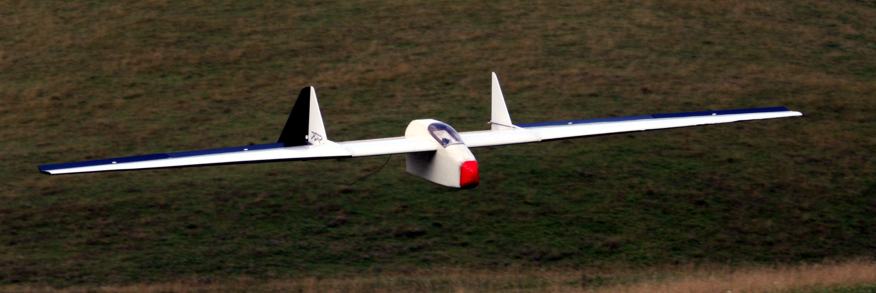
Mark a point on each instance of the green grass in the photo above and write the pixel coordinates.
(94, 79)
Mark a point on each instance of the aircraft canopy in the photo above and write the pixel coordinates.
(444, 134)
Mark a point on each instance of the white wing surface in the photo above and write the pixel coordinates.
(303, 138)
(388, 146)
(248, 154)
(535, 132)
(251, 154)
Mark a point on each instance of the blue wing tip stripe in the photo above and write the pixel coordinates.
(46, 168)
(655, 116)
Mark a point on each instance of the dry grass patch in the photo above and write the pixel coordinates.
(678, 279)
(758, 279)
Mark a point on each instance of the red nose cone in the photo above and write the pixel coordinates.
(468, 174)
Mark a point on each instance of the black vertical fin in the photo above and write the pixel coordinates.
(296, 130)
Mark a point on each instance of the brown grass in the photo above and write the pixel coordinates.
(759, 279)
(677, 279)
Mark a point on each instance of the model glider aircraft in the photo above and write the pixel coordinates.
(435, 151)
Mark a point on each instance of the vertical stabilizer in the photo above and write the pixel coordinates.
(317, 129)
(500, 119)
(304, 125)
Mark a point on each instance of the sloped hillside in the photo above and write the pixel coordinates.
(93, 79)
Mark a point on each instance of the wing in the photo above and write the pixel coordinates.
(247, 154)
(535, 132)
(303, 138)
(503, 132)
(230, 155)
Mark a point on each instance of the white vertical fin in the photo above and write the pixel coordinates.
(316, 134)
(500, 119)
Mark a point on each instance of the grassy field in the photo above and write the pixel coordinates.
(92, 79)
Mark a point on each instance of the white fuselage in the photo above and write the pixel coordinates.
(451, 164)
